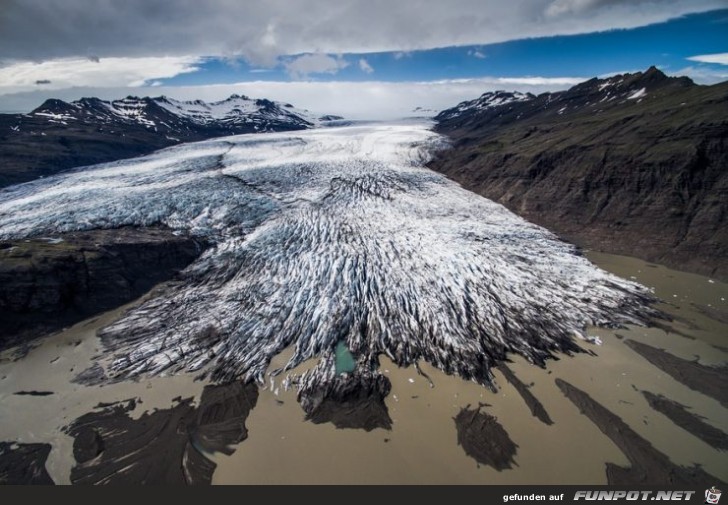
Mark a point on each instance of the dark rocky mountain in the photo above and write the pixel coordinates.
(481, 104)
(635, 164)
(60, 135)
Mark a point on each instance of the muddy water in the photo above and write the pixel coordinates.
(422, 446)
(50, 367)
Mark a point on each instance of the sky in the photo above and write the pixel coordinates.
(356, 58)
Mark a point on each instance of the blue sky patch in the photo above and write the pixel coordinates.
(666, 45)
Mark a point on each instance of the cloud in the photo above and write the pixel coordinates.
(703, 74)
(549, 82)
(301, 67)
(476, 54)
(39, 30)
(70, 72)
(709, 69)
(719, 58)
(356, 100)
(562, 7)
(581, 8)
(365, 66)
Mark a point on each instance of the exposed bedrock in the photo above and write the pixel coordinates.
(47, 283)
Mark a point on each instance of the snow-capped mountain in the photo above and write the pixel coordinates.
(485, 101)
(166, 115)
(502, 108)
(632, 164)
(59, 135)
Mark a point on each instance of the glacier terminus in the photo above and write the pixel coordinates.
(326, 238)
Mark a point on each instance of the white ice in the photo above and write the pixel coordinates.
(329, 235)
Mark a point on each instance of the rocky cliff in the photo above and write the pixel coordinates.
(48, 283)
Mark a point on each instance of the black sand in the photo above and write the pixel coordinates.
(710, 381)
(164, 447)
(648, 466)
(692, 423)
(484, 439)
(536, 407)
(22, 464)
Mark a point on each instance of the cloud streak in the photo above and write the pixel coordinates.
(302, 67)
(73, 72)
(365, 66)
(262, 31)
(719, 58)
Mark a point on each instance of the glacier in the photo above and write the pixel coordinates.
(329, 236)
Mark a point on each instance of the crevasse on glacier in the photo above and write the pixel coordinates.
(323, 236)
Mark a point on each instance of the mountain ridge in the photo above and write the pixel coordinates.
(59, 135)
(630, 164)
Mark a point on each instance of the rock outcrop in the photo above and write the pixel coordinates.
(48, 283)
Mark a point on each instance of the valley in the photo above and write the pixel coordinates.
(352, 297)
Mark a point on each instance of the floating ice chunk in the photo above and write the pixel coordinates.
(594, 340)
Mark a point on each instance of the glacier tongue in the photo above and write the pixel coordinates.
(324, 236)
